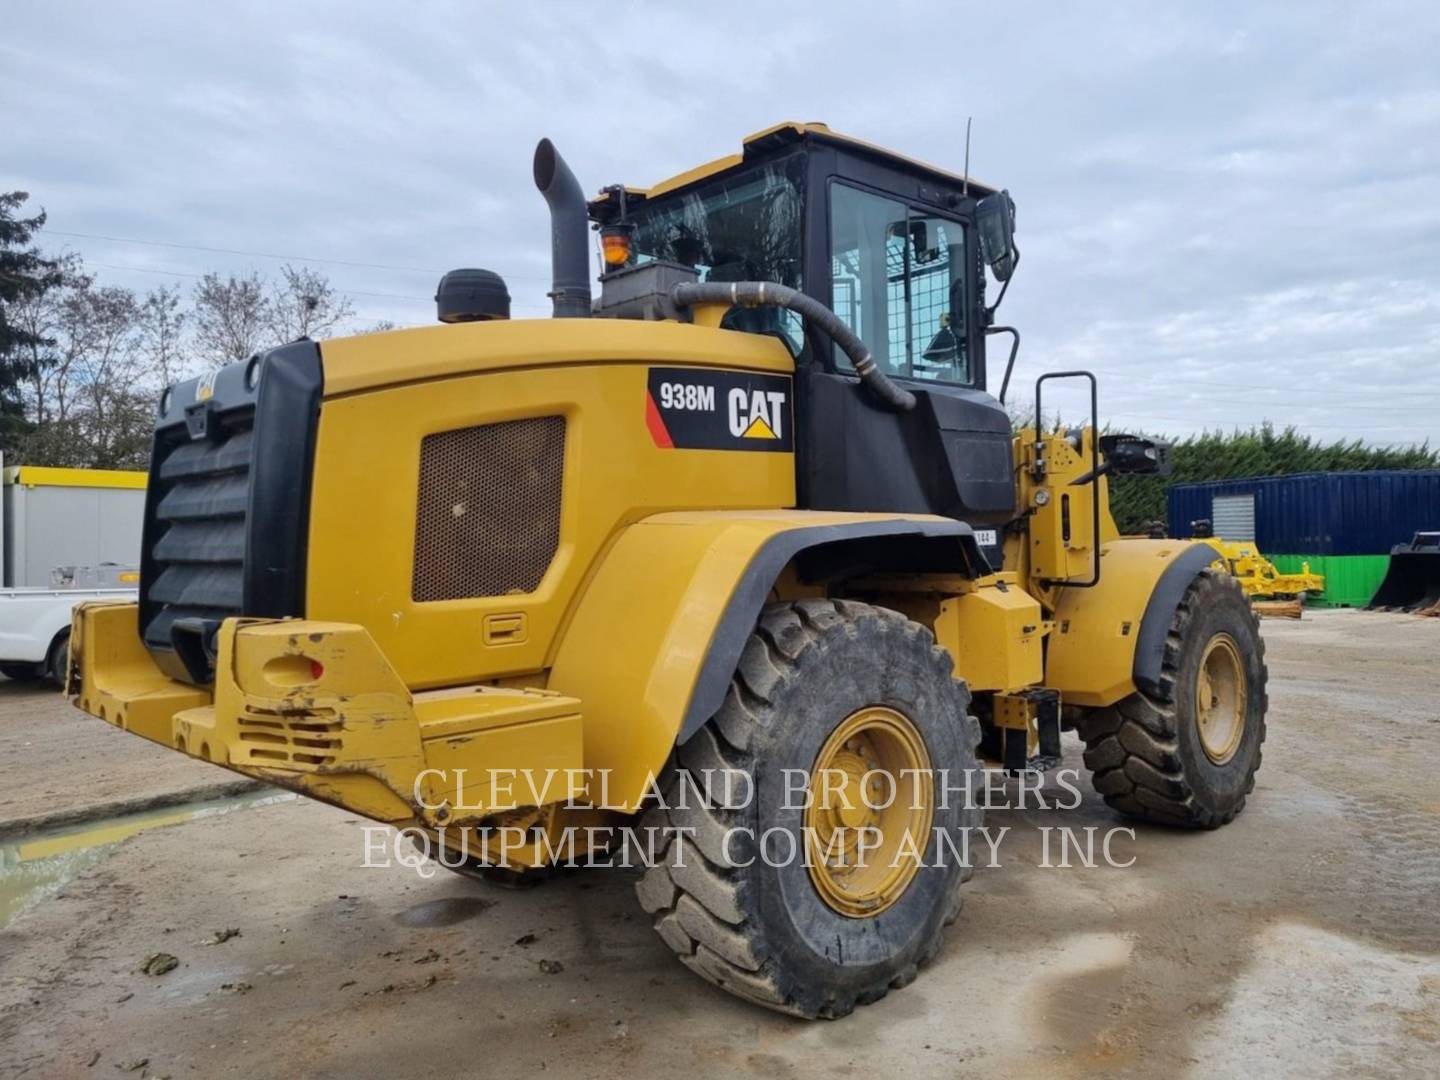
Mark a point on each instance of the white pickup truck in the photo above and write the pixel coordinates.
(35, 622)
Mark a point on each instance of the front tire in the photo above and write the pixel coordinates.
(1188, 756)
(741, 911)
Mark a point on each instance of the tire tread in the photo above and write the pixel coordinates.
(696, 900)
(1131, 747)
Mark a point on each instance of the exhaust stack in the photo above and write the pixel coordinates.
(569, 228)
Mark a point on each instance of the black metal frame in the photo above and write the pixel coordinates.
(828, 163)
(287, 421)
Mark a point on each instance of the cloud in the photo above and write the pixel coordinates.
(1232, 213)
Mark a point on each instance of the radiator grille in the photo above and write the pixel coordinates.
(488, 522)
(227, 508)
(199, 502)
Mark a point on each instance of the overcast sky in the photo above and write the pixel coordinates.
(1231, 214)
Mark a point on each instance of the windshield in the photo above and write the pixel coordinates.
(742, 228)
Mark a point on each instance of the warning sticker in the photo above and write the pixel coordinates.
(703, 409)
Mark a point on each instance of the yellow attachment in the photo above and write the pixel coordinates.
(315, 707)
(994, 633)
(1258, 576)
(871, 804)
(116, 678)
(1091, 655)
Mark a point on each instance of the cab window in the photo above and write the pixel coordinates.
(898, 279)
(739, 228)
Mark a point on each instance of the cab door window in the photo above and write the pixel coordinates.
(898, 281)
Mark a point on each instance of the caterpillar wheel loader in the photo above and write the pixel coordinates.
(748, 526)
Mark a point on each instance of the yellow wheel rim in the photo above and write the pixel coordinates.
(872, 799)
(1220, 698)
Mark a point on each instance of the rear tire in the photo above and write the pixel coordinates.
(1172, 758)
(765, 932)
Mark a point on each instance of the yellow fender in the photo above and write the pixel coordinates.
(1110, 639)
(658, 633)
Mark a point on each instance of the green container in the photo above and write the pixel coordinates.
(1350, 580)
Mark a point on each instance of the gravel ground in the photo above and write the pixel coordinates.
(1299, 941)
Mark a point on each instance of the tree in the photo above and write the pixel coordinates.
(82, 366)
(93, 405)
(114, 390)
(42, 318)
(232, 317)
(162, 325)
(25, 275)
(304, 304)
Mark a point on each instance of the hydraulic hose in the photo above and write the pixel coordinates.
(770, 294)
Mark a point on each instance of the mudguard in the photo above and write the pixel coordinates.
(1109, 640)
(657, 635)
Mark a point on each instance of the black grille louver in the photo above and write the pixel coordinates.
(197, 562)
(229, 481)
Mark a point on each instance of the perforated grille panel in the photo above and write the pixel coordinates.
(488, 522)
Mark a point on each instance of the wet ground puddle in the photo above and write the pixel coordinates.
(37, 865)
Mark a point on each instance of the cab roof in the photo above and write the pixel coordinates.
(781, 136)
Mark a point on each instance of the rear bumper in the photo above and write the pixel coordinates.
(316, 707)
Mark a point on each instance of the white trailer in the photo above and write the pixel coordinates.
(68, 535)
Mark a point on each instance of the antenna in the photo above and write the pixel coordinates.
(966, 187)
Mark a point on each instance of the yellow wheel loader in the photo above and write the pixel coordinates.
(740, 556)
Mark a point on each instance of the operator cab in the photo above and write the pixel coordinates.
(893, 247)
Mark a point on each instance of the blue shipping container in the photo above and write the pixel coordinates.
(1339, 513)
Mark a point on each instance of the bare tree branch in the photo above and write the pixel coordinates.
(232, 317)
(162, 326)
(304, 304)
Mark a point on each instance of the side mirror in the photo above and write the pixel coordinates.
(995, 218)
(1130, 454)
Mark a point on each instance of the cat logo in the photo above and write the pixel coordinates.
(757, 414)
(205, 390)
(716, 409)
